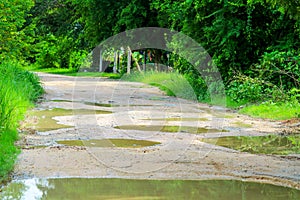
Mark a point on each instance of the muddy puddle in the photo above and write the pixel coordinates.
(241, 125)
(101, 104)
(270, 144)
(124, 143)
(95, 189)
(45, 121)
(176, 119)
(172, 129)
(87, 103)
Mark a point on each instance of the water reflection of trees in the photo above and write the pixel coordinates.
(270, 144)
(30, 189)
(76, 188)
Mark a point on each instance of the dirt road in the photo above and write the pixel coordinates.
(179, 154)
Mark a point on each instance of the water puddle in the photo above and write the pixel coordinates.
(242, 125)
(158, 98)
(108, 189)
(225, 116)
(46, 122)
(34, 147)
(86, 103)
(124, 143)
(177, 119)
(100, 104)
(172, 129)
(62, 100)
(270, 144)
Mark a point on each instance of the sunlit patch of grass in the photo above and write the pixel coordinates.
(275, 111)
(74, 72)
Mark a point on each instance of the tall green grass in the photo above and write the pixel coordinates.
(174, 84)
(18, 91)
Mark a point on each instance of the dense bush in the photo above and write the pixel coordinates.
(276, 77)
(281, 68)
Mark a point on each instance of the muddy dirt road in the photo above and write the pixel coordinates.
(140, 112)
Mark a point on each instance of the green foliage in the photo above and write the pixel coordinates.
(58, 41)
(281, 68)
(247, 89)
(253, 90)
(58, 52)
(12, 34)
(291, 7)
(18, 90)
(294, 95)
(275, 78)
(235, 33)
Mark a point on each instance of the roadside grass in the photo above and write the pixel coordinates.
(275, 111)
(50, 70)
(19, 89)
(73, 72)
(173, 84)
(225, 102)
(8, 152)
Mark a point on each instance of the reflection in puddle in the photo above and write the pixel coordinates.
(62, 100)
(86, 103)
(125, 143)
(270, 144)
(92, 189)
(101, 104)
(172, 129)
(47, 123)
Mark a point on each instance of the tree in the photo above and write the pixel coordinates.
(12, 30)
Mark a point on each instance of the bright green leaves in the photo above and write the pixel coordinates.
(133, 15)
(291, 7)
(13, 13)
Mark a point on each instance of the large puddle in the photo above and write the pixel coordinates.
(270, 144)
(172, 129)
(47, 123)
(108, 189)
(124, 143)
